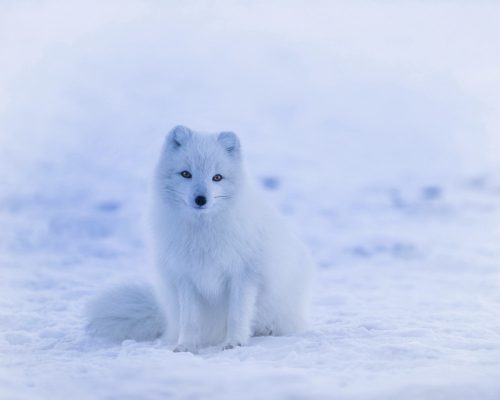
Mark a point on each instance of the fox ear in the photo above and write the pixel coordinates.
(230, 142)
(178, 136)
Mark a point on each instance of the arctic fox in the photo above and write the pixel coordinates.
(226, 266)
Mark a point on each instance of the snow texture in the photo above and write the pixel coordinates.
(372, 125)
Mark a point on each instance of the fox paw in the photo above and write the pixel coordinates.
(182, 348)
(265, 331)
(231, 345)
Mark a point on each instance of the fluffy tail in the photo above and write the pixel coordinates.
(126, 312)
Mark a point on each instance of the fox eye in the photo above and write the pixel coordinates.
(186, 174)
(217, 178)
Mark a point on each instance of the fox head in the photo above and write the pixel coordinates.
(199, 173)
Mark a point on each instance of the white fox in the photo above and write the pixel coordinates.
(226, 266)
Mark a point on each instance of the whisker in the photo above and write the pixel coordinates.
(170, 190)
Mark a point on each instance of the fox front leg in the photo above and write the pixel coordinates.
(189, 319)
(242, 299)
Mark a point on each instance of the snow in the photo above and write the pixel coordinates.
(372, 125)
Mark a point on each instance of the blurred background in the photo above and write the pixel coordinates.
(372, 91)
(328, 97)
(372, 124)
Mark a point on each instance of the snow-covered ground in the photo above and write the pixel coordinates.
(374, 127)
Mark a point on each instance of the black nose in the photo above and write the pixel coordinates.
(200, 200)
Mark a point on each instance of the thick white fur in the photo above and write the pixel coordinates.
(225, 271)
(126, 312)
